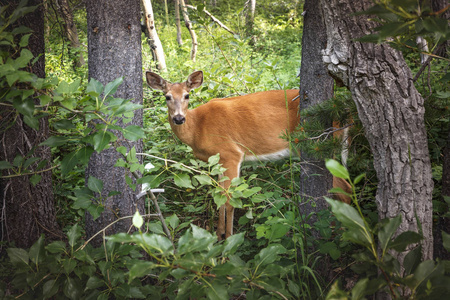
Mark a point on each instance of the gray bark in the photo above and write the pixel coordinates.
(391, 111)
(316, 86)
(114, 48)
(27, 211)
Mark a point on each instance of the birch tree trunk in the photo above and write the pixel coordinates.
(188, 24)
(155, 42)
(392, 113)
(114, 48)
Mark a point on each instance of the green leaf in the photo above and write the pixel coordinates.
(24, 40)
(95, 185)
(25, 107)
(203, 179)
(358, 291)
(138, 221)
(5, 165)
(140, 269)
(101, 140)
(55, 141)
(94, 88)
(173, 221)
(214, 160)
(94, 283)
(56, 247)
(50, 288)
(232, 243)
(19, 257)
(183, 180)
(446, 240)
(412, 260)
(35, 179)
(404, 239)
(219, 198)
(357, 231)
(249, 192)
(63, 124)
(133, 133)
(37, 252)
(387, 230)
(72, 288)
(217, 291)
(23, 60)
(111, 87)
(270, 254)
(68, 163)
(74, 235)
(337, 169)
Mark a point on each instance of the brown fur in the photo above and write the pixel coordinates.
(238, 128)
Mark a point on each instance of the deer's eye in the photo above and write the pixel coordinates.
(168, 97)
(186, 96)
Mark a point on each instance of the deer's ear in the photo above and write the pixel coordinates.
(195, 80)
(155, 81)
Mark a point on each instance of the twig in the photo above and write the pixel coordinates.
(330, 131)
(109, 225)
(213, 18)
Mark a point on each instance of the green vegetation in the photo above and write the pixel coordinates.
(270, 256)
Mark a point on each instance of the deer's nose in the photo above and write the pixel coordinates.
(179, 119)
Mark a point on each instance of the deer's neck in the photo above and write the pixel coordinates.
(186, 131)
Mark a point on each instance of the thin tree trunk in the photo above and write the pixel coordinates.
(155, 42)
(71, 30)
(392, 113)
(250, 19)
(114, 48)
(188, 24)
(178, 22)
(27, 210)
(316, 86)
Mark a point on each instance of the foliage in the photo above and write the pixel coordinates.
(403, 20)
(270, 257)
(378, 270)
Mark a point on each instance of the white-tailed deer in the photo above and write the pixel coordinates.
(240, 128)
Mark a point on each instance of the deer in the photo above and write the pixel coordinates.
(241, 128)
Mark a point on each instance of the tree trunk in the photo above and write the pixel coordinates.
(114, 48)
(71, 30)
(155, 42)
(249, 20)
(27, 211)
(178, 22)
(392, 113)
(188, 24)
(316, 86)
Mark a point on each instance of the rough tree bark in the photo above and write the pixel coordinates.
(316, 86)
(391, 111)
(71, 30)
(155, 42)
(114, 49)
(27, 211)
